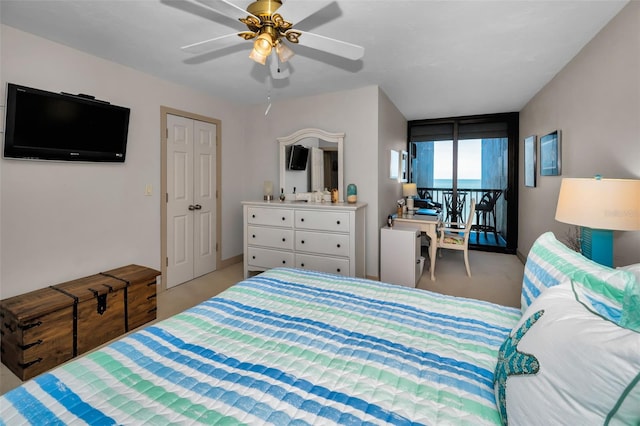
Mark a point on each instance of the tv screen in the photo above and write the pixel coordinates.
(43, 125)
(298, 157)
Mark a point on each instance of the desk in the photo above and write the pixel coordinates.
(428, 225)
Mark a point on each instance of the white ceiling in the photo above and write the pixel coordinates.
(432, 58)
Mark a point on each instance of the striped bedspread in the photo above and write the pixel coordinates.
(287, 347)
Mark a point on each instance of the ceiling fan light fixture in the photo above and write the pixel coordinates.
(262, 47)
(258, 57)
(283, 51)
(263, 44)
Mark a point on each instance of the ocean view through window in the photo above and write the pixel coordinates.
(453, 161)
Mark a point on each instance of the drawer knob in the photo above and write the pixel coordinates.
(284, 239)
(302, 219)
(253, 257)
(302, 242)
(338, 245)
(338, 222)
(338, 269)
(253, 216)
(283, 218)
(284, 262)
(253, 236)
(302, 264)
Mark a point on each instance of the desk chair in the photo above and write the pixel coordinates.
(486, 214)
(452, 237)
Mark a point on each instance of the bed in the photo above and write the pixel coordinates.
(299, 347)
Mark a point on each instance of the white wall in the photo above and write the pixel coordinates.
(392, 134)
(595, 102)
(61, 221)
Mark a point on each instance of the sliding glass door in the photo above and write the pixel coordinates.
(454, 161)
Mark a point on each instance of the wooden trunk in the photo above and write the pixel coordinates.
(141, 293)
(47, 327)
(101, 314)
(36, 331)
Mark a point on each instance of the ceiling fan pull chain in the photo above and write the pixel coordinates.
(268, 95)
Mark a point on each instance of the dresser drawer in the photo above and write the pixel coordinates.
(319, 242)
(270, 237)
(323, 264)
(270, 217)
(268, 258)
(322, 220)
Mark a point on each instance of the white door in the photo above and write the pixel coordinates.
(191, 199)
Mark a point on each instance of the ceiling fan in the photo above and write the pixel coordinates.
(271, 34)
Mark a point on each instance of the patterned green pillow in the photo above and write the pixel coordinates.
(600, 288)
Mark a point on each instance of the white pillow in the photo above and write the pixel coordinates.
(582, 368)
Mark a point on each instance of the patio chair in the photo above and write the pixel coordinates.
(486, 214)
(454, 208)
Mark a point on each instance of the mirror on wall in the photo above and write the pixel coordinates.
(324, 161)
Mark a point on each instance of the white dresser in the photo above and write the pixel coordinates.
(324, 237)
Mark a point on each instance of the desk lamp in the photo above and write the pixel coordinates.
(599, 206)
(409, 190)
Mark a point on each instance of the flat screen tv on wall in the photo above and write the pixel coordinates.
(43, 125)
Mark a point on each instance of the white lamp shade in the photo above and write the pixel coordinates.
(268, 187)
(610, 204)
(409, 190)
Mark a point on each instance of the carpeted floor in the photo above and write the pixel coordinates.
(494, 277)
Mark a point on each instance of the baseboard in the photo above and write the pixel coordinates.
(230, 261)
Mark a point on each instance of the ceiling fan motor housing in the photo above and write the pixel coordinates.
(264, 8)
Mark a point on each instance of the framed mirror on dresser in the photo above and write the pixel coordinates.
(323, 168)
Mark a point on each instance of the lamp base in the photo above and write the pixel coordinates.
(410, 203)
(268, 198)
(597, 245)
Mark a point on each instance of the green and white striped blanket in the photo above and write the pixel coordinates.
(287, 347)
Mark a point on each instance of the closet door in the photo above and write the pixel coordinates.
(204, 189)
(191, 199)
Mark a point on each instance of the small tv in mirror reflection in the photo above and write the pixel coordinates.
(298, 156)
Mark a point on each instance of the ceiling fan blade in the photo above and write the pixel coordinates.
(213, 44)
(226, 8)
(311, 15)
(330, 45)
(279, 70)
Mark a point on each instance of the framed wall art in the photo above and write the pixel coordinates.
(394, 164)
(530, 161)
(404, 167)
(550, 154)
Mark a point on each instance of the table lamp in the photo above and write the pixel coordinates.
(268, 190)
(409, 190)
(599, 206)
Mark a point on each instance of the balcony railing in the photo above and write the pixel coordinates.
(459, 211)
